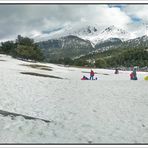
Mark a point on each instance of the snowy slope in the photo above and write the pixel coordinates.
(112, 109)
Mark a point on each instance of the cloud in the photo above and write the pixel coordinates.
(32, 20)
(139, 11)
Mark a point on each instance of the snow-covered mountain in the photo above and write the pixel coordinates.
(139, 42)
(64, 47)
(96, 35)
(106, 44)
(114, 32)
(116, 43)
(93, 33)
(75, 42)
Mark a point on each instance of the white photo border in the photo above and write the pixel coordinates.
(93, 2)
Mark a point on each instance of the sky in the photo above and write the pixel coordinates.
(35, 20)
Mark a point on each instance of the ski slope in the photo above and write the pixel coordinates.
(112, 109)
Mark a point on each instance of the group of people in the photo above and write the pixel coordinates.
(91, 76)
(133, 75)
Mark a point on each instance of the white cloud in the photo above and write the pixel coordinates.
(31, 20)
(139, 11)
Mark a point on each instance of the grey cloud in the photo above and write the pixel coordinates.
(24, 19)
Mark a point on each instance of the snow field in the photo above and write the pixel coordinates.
(112, 109)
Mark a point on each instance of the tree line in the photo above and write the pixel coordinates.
(26, 48)
(126, 57)
(22, 47)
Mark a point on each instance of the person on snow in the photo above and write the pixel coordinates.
(133, 75)
(92, 74)
(116, 71)
(84, 78)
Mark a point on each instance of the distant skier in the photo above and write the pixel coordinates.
(116, 71)
(92, 75)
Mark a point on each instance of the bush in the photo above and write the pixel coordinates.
(29, 52)
(101, 63)
(80, 63)
(24, 48)
(7, 47)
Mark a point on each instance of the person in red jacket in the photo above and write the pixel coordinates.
(131, 76)
(92, 74)
(84, 78)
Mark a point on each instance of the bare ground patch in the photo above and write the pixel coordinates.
(2, 60)
(40, 75)
(37, 66)
(12, 115)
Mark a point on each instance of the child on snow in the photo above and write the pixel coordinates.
(133, 75)
(84, 78)
(92, 74)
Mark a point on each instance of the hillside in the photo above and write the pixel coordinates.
(127, 53)
(73, 50)
(64, 47)
(90, 42)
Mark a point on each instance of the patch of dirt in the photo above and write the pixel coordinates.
(41, 67)
(12, 115)
(3, 60)
(40, 75)
(44, 68)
